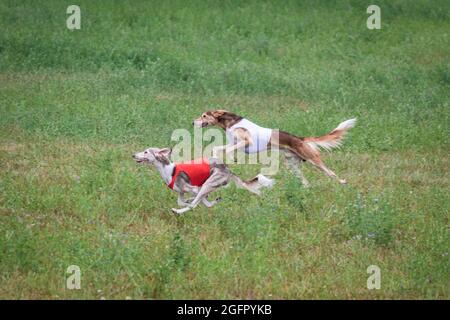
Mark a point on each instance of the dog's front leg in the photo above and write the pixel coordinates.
(231, 148)
(216, 180)
(187, 206)
(237, 146)
(293, 162)
(182, 210)
(181, 201)
(217, 149)
(228, 148)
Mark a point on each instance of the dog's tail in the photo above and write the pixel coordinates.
(333, 139)
(254, 185)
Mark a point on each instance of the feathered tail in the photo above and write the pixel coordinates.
(333, 139)
(254, 185)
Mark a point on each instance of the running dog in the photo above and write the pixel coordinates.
(245, 135)
(197, 177)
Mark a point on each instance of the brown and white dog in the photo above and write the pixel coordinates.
(251, 138)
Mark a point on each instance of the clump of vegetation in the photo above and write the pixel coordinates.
(371, 220)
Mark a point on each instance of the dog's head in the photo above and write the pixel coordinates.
(152, 155)
(216, 117)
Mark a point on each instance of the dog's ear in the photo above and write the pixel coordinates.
(163, 155)
(218, 113)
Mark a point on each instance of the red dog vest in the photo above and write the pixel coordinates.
(198, 171)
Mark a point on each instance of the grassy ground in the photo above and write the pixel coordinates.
(75, 104)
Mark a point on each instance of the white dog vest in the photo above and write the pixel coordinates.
(260, 136)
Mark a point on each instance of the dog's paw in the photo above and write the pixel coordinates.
(180, 211)
(265, 181)
(177, 211)
(342, 181)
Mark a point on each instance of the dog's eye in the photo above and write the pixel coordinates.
(204, 116)
(145, 152)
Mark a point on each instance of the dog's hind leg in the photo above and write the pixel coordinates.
(321, 166)
(293, 162)
(304, 151)
(253, 185)
(208, 203)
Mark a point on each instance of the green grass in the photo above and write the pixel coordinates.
(76, 104)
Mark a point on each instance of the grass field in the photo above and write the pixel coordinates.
(76, 104)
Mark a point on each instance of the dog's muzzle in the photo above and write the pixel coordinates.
(197, 123)
(137, 159)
